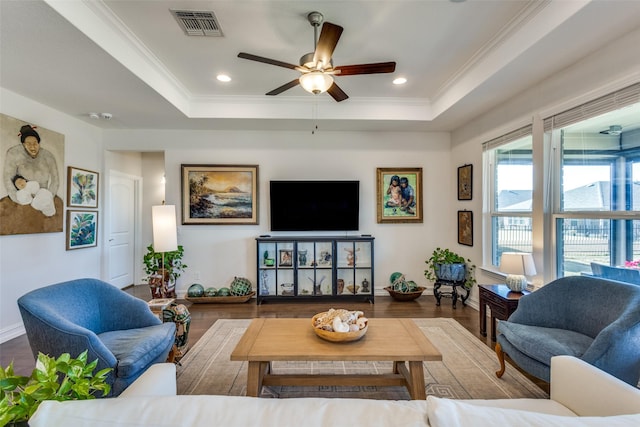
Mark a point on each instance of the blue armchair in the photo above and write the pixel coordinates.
(116, 328)
(620, 274)
(593, 319)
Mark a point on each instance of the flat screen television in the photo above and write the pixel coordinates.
(314, 205)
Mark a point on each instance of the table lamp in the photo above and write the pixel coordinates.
(165, 235)
(517, 265)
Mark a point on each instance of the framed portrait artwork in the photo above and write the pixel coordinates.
(399, 195)
(465, 182)
(32, 193)
(220, 194)
(286, 258)
(82, 229)
(82, 188)
(465, 228)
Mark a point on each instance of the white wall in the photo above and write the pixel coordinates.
(31, 261)
(220, 252)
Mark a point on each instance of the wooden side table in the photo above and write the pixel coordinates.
(502, 302)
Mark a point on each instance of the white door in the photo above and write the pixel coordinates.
(121, 222)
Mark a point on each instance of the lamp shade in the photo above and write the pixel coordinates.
(517, 265)
(316, 82)
(165, 236)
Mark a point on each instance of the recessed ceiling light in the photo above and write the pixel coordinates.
(399, 81)
(223, 78)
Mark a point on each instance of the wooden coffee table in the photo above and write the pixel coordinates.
(396, 340)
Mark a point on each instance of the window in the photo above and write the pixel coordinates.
(508, 203)
(596, 202)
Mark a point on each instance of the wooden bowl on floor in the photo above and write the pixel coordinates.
(405, 296)
(338, 336)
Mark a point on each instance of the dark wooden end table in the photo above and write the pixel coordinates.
(502, 302)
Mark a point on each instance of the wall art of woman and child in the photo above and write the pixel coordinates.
(31, 180)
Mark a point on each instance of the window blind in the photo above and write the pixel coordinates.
(509, 137)
(604, 104)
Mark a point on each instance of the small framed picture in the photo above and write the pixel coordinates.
(82, 188)
(286, 258)
(465, 182)
(399, 195)
(82, 229)
(465, 228)
(220, 194)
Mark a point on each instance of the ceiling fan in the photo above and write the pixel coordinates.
(317, 68)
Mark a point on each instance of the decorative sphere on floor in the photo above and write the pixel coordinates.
(196, 290)
(240, 286)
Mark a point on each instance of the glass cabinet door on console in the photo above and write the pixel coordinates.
(314, 267)
(354, 267)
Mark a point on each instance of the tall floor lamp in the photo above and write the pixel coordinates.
(165, 236)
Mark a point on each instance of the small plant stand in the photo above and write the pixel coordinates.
(457, 290)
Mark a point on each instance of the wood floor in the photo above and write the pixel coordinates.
(205, 315)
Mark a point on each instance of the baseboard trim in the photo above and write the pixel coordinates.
(13, 331)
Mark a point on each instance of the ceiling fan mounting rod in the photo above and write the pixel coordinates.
(315, 19)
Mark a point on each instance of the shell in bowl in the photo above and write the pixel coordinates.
(326, 325)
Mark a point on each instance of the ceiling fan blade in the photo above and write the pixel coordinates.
(375, 68)
(337, 93)
(266, 60)
(284, 87)
(327, 42)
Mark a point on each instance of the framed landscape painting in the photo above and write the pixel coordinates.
(82, 188)
(220, 194)
(399, 195)
(82, 229)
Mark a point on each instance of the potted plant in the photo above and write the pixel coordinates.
(449, 266)
(168, 272)
(64, 378)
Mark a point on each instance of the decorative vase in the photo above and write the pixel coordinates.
(302, 257)
(340, 286)
(451, 272)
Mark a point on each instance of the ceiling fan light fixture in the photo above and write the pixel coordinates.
(613, 130)
(316, 82)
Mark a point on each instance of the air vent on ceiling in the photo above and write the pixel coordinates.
(198, 23)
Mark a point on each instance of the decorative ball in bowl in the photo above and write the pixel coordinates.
(340, 325)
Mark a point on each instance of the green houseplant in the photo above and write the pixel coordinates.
(173, 266)
(444, 261)
(64, 378)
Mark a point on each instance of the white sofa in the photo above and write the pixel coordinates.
(581, 395)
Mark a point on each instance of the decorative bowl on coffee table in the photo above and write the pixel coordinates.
(338, 336)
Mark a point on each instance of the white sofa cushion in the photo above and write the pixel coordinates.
(452, 413)
(229, 411)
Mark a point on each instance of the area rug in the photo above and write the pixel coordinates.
(467, 369)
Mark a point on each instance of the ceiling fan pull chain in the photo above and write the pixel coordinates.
(314, 116)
